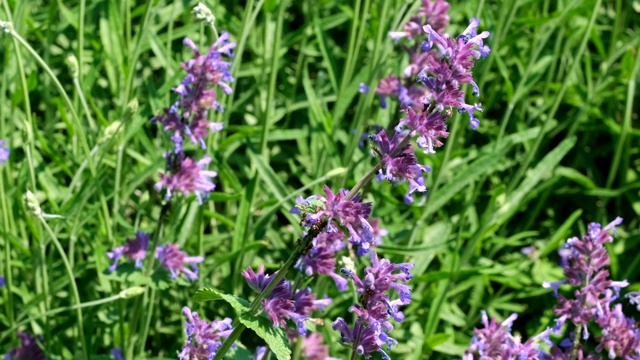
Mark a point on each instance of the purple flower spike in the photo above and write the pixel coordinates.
(321, 259)
(187, 176)
(188, 116)
(282, 304)
(134, 249)
(2, 281)
(584, 268)
(175, 260)
(4, 152)
(402, 166)
(117, 354)
(203, 338)
(29, 349)
(370, 340)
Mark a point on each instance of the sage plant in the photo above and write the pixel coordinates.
(341, 219)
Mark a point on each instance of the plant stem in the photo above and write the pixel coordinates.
(148, 267)
(72, 283)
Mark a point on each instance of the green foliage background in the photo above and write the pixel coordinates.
(557, 148)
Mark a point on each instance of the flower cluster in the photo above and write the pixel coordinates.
(495, 341)
(203, 338)
(428, 92)
(170, 256)
(374, 309)
(4, 152)
(407, 90)
(339, 212)
(175, 260)
(584, 262)
(29, 349)
(283, 303)
(187, 117)
(187, 176)
(133, 249)
(399, 164)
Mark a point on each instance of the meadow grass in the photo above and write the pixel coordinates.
(557, 147)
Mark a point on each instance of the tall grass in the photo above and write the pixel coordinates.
(557, 147)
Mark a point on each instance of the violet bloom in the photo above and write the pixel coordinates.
(620, 335)
(2, 281)
(261, 351)
(175, 260)
(382, 276)
(321, 258)
(314, 349)
(585, 269)
(282, 304)
(28, 350)
(378, 232)
(4, 152)
(203, 338)
(444, 78)
(365, 338)
(495, 341)
(430, 12)
(351, 214)
(117, 354)
(187, 176)
(188, 116)
(400, 166)
(133, 249)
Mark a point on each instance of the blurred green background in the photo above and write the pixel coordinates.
(557, 147)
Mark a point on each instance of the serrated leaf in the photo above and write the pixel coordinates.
(263, 327)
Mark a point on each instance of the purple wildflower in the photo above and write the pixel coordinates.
(2, 281)
(28, 350)
(363, 88)
(620, 336)
(495, 341)
(175, 260)
(349, 213)
(187, 176)
(375, 308)
(203, 338)
(117, 354)
(4, 152)
(585, 269)
(188, 116)
(321, 259)
(431, 12)
(378, 232)
(261, 351)
(314, 349)
(134, 249)
(375, 305)
(282, 303)
(366, 338)
(444, 78)
(401, 166)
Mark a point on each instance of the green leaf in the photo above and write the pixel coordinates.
(484, 165)
(543, 170)
(263, 327)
